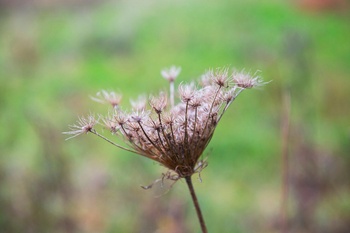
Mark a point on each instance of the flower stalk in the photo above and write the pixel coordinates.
(196, 204)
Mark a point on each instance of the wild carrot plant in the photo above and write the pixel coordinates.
(174, 134)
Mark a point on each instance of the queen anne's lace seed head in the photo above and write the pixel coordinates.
(175, 135)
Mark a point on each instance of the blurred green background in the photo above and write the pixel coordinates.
(55, 54)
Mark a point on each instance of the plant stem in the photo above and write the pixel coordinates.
(172, 94)
(196, 204)
(285, 128)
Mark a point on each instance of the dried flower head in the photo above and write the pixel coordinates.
(246, 81)
(158, 103)
(175, 135)
(84, 125)
(171, 73)
(186, 92)
(110, 124)
(220, 77)
(112, 98)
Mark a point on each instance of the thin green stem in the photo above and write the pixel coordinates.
(196, 204)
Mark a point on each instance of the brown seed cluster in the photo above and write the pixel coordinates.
(175, 135)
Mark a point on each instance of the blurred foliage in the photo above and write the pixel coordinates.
(55, 54)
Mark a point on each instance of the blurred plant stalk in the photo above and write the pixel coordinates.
(285, 160)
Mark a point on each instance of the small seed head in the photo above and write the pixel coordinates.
(171, 73)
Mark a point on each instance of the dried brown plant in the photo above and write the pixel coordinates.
(174, 135)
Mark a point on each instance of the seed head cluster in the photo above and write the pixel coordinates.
(174, 135)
